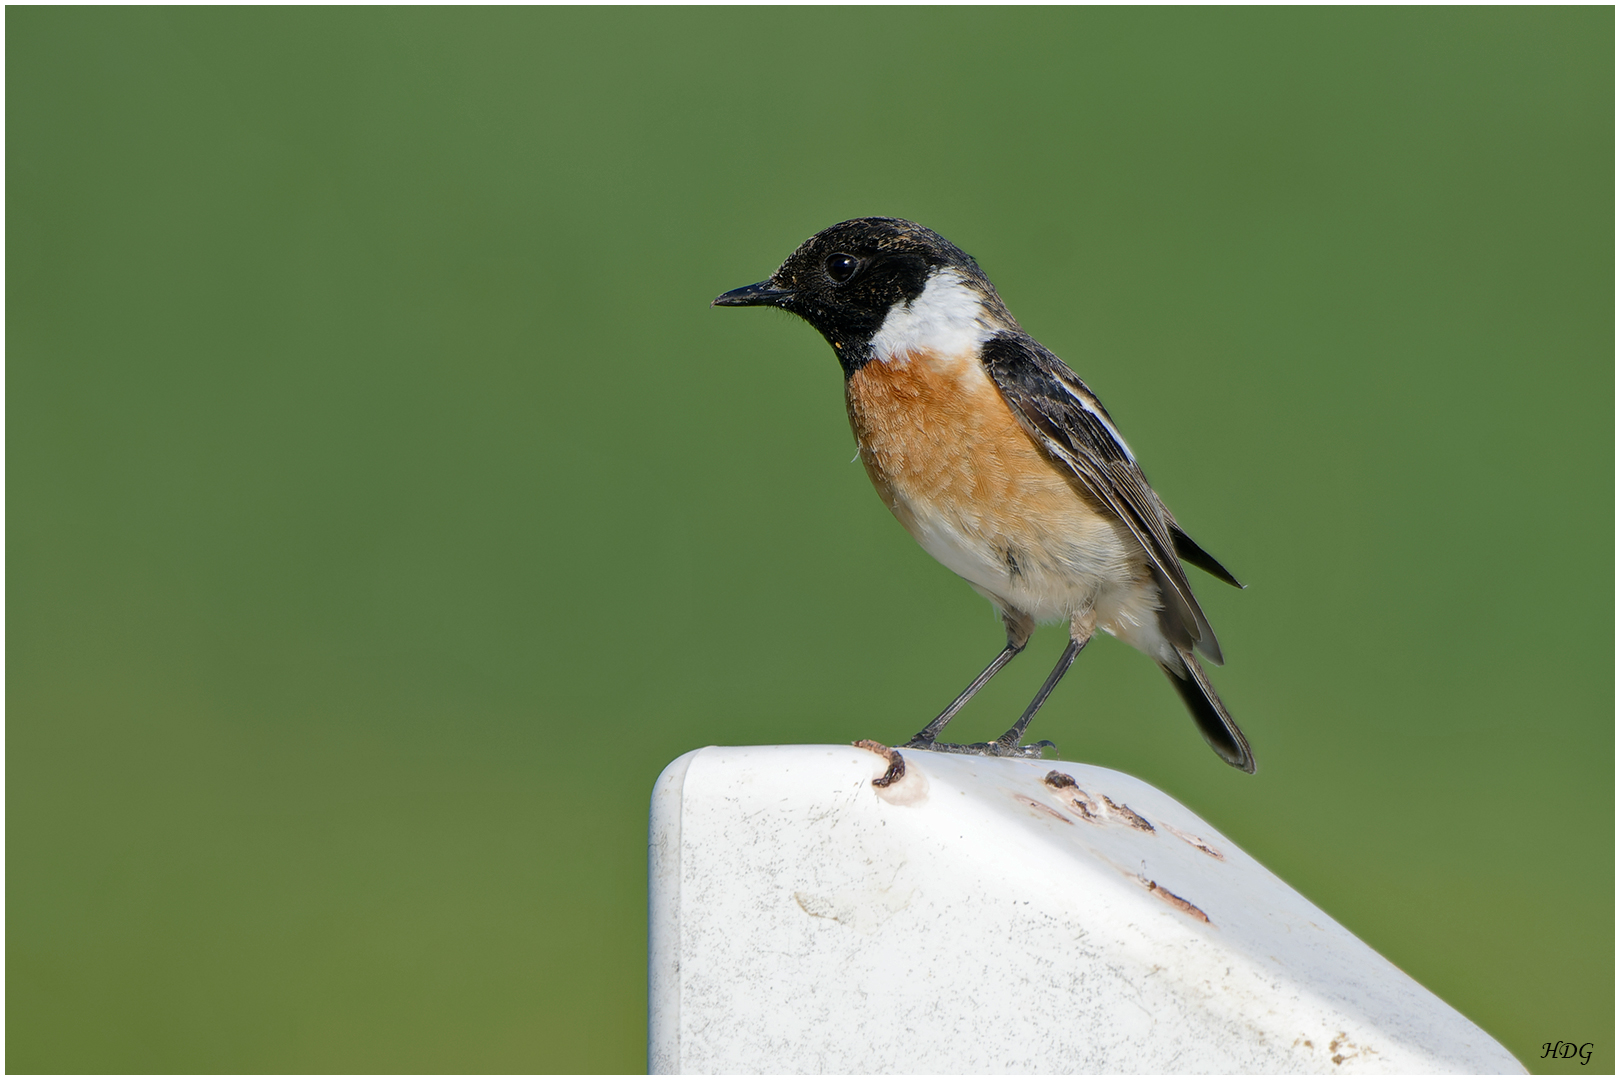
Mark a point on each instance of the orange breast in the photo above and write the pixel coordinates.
(936, 436)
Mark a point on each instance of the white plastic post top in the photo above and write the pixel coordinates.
(983, 915)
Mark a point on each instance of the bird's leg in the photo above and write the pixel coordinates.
(1007, 745)
(1019, 627)
(924, 739)
(1080, 630)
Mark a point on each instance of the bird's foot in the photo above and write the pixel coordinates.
(986, 749)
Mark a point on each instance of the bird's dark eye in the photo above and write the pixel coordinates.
(841, 266)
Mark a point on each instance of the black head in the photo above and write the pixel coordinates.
(845, 280)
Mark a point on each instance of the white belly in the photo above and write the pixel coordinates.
(1061, 566)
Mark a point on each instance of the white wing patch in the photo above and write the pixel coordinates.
(1088, 403)
(948, 319)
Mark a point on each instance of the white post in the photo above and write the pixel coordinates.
(995, 915)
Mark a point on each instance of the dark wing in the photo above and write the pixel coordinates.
(1065, 417)
(1190, 552)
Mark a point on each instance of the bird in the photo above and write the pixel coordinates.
(1001, 463)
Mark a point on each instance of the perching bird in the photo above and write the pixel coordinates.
(1000, 462)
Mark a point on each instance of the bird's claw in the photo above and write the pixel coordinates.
(986, 749)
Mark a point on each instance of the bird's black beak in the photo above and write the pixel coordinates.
(763, 294)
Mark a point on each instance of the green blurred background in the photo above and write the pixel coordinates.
(387, 506)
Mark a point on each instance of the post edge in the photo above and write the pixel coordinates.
(663, 917)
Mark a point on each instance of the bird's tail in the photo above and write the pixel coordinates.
(1214, 722)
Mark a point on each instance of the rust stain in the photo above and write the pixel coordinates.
(1126, 814)
(1088, 807)
(1195, 841)
(1043, 808)
(1175, 901)
(1083, 803)
(897, 764)
(1345, 1049)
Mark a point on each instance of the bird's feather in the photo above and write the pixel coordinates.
(1215, 724)
(1064, 416)
(1190, 552)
